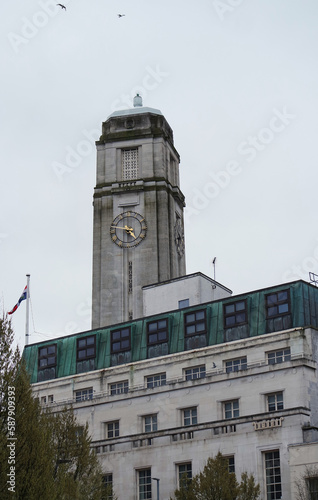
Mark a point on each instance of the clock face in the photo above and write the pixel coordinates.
(128, 229)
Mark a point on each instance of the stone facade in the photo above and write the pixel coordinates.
(146, 183)
(183, 408)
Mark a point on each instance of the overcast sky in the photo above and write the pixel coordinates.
(237, 81)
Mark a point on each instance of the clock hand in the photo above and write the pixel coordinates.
(131, 234)
(126, 228)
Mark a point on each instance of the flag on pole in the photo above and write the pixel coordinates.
(23, 297)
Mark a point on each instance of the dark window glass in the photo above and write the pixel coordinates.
(195, 323)
(144, 485)
(195, 372)
(86, 348)
(157, 331)
(120, 340)
(278, 356)
(47, 361)
(277, 304)
(235, 314)
(235, 365)
(119, 388)
(156, 380)
(273, 475)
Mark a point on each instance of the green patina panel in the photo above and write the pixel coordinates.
(304, 312)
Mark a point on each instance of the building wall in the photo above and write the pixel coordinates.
(247, 436)
(197, 287)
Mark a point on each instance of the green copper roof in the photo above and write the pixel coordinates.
(297, 308)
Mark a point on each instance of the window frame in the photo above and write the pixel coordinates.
(277, 474)
(108, 485)
(195, 323)
(234, 408)
(157, 332)
(190, 375)
(87, 346)
(192, 417)
(278, 403)
(80, 394)
(48, 355)
(111, 427)
(161, 377)
(186, 474)
(120, 387)
(144, 490)
(277, 304)
(120, 340)
(274, 356)
(240, 363)
(235, 313)
(152, 424)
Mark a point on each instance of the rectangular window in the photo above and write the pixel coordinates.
(195, 323)
(144, 484)
(273, 476)
(231, 463)
(150, 423)
(111, 429)
(108, 487)
(190, 416)
(47, 360)
(195, 372)
(84, 394)
(275, 401)
(156, 380)
(157, 332)
(235, 365)
(184, 474)
(277, 304)
(119, 388)
(183, 303)
(235, 314)
(231, 409)
(278, 356)
(130, 164)
(86, 348)
(312, 483)
(51, 398)
(120, 340)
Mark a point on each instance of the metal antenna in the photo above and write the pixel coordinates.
(213, 262)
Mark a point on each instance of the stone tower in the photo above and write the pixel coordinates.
(138, 213)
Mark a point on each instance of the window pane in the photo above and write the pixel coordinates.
(230, 320)
(230, 309)
(282, 295)
(240, 306)
(283, 308)
(200, 315)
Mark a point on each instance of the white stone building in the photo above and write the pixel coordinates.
(176, 371)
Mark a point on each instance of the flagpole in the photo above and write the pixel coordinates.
(27, 311)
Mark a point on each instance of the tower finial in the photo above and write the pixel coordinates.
(137, 101)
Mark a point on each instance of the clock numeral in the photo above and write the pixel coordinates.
(141, 235)
(112, 231)
(114, 237)
(128, 214)
(120, 243)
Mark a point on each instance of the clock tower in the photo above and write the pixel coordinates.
(138, 213)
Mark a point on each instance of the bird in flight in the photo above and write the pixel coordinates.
(120, 15)
(62, 6)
